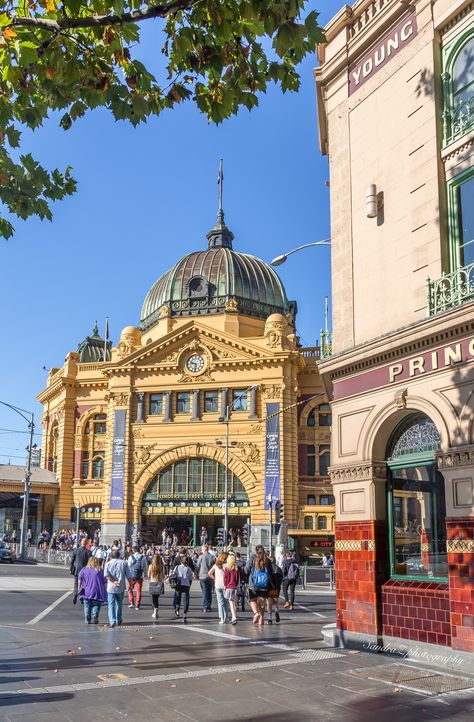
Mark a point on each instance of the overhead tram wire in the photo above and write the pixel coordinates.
(18, 431)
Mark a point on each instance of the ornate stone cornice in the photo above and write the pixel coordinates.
(463, 456)
(359, 472)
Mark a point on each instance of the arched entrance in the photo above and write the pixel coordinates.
(416, 502)
(186, 495)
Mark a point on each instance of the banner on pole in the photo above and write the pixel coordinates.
(272, 453)
(117, 485)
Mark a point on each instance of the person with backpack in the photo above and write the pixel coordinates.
(184, 578)
(274, 594)
(291, 573)
(138, 568)
(261, 580)
(232, 576)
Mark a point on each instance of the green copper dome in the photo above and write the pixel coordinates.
(91, 350)
(215, 280)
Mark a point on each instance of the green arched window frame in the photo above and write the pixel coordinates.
(458, 112)
(412, 471)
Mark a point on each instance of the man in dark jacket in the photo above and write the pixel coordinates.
(291, 572)
(80, 557)
(205, 562)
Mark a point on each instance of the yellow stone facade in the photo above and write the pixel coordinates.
(235, 351)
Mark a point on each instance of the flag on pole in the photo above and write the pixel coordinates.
(106, 337)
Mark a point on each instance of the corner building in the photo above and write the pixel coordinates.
(395, 93)
(138, 440)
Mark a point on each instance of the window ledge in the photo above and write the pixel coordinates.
(457, 146)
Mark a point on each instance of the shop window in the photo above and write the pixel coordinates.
(211, 402)
(322, 522)
(308, 522)
(311, 500)
(183, 403)
(239, 400)
(156, 405)
(416, 502)
(311, 460)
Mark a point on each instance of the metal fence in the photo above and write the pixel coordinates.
(61, 557)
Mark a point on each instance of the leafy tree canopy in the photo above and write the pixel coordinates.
(74, 55)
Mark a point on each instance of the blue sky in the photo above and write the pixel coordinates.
(146, 197)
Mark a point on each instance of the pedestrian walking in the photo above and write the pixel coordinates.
(216, 573)
(93, 590)
(203, 566)
(156, 575)
(116, 571)
(242, 588)
(232, 575)
(80, 557)
(184, 577)
(291, 573)
(260, 574)
(138, 569)
(274, 594)
(203, 536)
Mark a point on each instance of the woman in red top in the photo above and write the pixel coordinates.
(231, 583)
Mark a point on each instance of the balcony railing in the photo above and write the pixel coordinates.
(325, 344)
(458, 120)
(451, 290)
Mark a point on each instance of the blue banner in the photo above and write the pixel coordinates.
(117, 482)
(272, 453)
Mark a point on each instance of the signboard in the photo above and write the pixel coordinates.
(272, 453)
(117, 482)
(406, 368)
(387, 47)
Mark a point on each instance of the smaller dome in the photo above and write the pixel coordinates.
(276, 318)
(91, 350)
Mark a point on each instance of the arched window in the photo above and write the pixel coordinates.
(324, 415)
(458, 78)
(324, 459)
(308, 522)
(93, 447)
(195, 479)
(322, 522)
(416, 501)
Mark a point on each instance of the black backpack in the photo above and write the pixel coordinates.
(136, 570)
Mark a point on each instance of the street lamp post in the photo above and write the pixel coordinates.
(226, 420)
(27, 476)
(281, 259)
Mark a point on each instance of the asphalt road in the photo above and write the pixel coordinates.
(54, 667)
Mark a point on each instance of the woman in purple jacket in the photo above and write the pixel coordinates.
(93, 590)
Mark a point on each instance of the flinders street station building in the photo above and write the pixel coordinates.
(135, 434)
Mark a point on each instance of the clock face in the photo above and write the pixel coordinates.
(195, 363)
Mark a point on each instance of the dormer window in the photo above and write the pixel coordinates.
(198, 287)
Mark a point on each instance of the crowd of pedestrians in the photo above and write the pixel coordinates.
(103, 574)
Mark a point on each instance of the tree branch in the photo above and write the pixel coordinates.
(98, 21)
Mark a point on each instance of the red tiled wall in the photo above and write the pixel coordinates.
(417, 611)
(359, 576)
(461, 585)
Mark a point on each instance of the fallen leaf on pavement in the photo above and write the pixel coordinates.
(173, 685)
(354, 651)
(55, 671)
(397, 689)
(237, 680)
(70, 652)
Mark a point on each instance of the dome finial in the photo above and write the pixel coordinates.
(95, 330)
(220, 236)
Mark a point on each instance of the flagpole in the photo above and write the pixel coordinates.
(106, 335)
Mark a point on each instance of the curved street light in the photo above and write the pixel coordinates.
(281, 259)
(26, 481)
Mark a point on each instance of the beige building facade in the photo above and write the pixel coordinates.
(395, 99)
(138, 441)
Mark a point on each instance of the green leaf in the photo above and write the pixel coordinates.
(6, 228)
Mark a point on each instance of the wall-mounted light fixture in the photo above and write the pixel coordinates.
(373, 201)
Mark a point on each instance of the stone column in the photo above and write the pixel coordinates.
(253, 403)
(224, 403)
(195, 410)
(167, 407)
(140, 407)
(457, 468)
(360, 547)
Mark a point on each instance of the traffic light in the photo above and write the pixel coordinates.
(245, 535)
(278, 511)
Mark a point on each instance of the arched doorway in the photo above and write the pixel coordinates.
(187, 495)
(416, 502)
